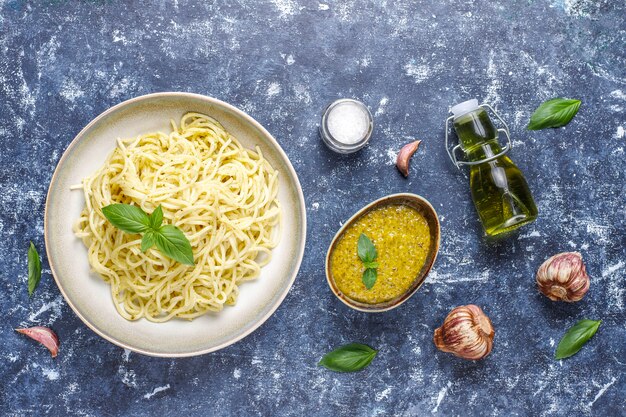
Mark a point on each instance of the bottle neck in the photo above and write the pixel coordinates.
(477, 135)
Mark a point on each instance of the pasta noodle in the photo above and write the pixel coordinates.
(221, 195)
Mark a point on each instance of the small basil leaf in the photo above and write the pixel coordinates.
(156, 218)
(366, 249)
(348, 358)
(148, 240)
(171, 241)
(370, 265)
(34, 269)
(128, 218)
(554, 113)
(369, 278)
(576, 337)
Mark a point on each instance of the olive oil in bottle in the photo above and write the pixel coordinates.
(499, 190)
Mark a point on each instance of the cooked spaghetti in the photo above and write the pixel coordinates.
(221, 195)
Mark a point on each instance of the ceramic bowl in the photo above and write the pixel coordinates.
(89, 296)
(426, 209)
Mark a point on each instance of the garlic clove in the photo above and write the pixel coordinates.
(405, 154)
(563, 277)
(43, 335)
(466, 332)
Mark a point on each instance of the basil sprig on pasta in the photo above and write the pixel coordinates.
(169, 239)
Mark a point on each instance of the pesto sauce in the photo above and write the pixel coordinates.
(402, 238)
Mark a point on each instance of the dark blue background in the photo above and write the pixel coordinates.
(64, 62)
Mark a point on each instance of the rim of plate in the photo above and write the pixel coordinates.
(292, 172)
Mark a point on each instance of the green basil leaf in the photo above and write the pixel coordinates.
(366, 249)
(148, 240)
(576, 337)
(370, 264)
(171, 241)
(128, 218)
(156, 218)
(369, 278)
(34, 269)
(554, 113)
(348, 358)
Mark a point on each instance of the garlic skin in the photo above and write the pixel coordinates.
(43, 335)
(466, 332)
(405, 154)
(563, 277)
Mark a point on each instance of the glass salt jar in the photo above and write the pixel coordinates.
(346, 126)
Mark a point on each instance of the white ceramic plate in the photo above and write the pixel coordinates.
(89, 295)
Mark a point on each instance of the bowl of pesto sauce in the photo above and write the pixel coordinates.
(383, 253)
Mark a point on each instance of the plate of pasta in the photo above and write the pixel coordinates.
(175, 224)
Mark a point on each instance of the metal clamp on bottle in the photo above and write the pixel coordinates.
(466, 107)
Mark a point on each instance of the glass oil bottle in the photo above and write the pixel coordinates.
(499, 190)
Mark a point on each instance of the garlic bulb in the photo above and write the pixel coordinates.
(466, 332)
(563, 277)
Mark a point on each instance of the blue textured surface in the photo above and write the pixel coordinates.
(63, 62)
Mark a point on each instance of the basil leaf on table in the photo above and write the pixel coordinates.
(366, 249)
(34, 269)
(554, 113)
(127, 218)
(576, 337)
(348, 358)
(369, 277)
(173, 243)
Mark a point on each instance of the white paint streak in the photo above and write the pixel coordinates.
(534, 233)
(156, 391)
(54, 305)
(285, 7)
(602, 391)
(599, 230)
(381, 106)
(609, 270)
(384, 394)
(120, 88)
(618, 94)
(442, 394)
(420, 73)
(435, 278)
(493, 95)
(71, 91)
(51, 374)
(273, 89)
(118, 37)
(620, 132)
(392, 156)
